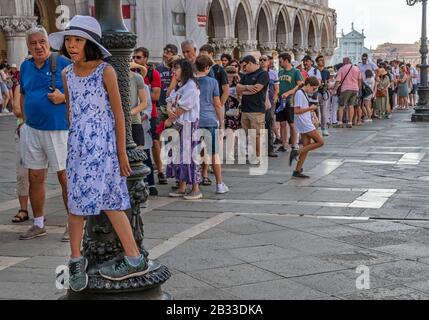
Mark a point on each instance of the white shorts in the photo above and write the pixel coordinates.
(43, 149)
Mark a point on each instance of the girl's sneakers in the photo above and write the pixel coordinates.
(297, 174)
(78, 277)
(123, 270)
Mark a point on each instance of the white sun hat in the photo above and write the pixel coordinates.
(80, 26)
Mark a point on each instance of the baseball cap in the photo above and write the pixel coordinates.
(172, 48)
(307, 57)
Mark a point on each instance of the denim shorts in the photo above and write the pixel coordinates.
(212, 141)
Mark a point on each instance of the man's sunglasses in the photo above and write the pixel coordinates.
(138, 57)
(263, 60)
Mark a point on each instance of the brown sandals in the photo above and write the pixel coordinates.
(20, 218)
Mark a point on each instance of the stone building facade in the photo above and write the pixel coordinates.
(239, 27)
(404, 52)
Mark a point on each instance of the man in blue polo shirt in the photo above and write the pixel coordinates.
(45, 133)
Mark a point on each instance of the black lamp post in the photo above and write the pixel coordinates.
(422, 110)
(101, 244)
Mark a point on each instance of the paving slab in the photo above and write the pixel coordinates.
(235, 276)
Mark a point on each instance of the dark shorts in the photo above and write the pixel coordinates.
(154, 122)
(212, 143)
(286, 115)
(414, 90)
(348, 98)
(138, 134)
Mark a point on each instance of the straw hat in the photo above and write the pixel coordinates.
(143, 70)
(382, 72)
(80, 26)
(173, 60)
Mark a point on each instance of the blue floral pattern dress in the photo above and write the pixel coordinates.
(94, 179)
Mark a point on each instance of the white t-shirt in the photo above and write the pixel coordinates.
(313, 72)
(415, 75)
(303, 122)
(363, 67)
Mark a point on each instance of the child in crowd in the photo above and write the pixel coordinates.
(97, 162)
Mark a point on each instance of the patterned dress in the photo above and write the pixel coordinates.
(94, 180)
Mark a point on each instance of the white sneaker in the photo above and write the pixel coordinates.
(325, 133)
(222, 188)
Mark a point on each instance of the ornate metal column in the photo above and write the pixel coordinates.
(422, 110)
(101, 245)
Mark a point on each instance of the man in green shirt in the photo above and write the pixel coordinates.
(290, 82)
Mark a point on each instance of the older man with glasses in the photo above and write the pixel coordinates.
(45, 132)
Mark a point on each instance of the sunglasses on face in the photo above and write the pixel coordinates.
(263, 60)
(137, 57)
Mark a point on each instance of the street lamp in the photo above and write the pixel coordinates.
(422, 110)
(101, 244)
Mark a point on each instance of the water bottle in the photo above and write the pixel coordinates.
(282, 106)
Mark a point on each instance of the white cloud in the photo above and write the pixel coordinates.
(383, 20)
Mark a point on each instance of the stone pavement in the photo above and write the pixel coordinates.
(271, 237)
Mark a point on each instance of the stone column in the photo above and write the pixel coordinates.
(247, 47)
(328, 53)
(299, 53)
(267, 48)
(14, 29)
(223, 45)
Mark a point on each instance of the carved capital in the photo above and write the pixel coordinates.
(224, 44)
(267, 47)
(248, 45)
(12, 25)
(284, 47)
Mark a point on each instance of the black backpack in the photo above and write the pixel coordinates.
(53, 64)
(150, 73)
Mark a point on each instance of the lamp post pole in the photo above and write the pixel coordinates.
(101, 244)
(421, 112)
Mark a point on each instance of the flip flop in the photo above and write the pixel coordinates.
(20, 219)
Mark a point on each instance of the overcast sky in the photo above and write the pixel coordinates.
(383, 20)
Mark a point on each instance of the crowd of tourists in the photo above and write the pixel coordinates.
(71, 121)
(9, 79)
